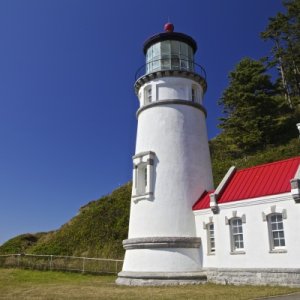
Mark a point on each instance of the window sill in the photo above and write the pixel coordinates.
(278, 251)
(211, 254)
(237, 252)
(147, 196)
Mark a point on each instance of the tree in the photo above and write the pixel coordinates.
(284, 31)
(251, 111)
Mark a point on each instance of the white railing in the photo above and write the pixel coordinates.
(62, 263)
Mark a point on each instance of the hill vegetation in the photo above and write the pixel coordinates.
(97, 230)
(100, 226)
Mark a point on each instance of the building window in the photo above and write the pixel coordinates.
(236, 232)
(210, 238)
(143, 176)
(276, 232)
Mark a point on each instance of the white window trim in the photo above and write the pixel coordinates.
(228, 221)
(140, 161)
(206, 227)
(266, 216)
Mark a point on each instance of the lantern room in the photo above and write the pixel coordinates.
(170, 51)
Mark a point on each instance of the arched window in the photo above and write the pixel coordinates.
(143, 176)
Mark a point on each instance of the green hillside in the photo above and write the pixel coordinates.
(96, 231)
(21, 243)
(100, 226)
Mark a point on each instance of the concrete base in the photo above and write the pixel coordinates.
(275, 277)
(160, 278)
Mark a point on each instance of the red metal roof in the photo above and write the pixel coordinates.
(203, 201)
(268, 179)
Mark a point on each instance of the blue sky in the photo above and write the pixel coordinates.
(67, 104)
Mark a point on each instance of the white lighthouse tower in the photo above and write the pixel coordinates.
(171, 165)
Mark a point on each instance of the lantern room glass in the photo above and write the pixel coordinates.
(169, 55)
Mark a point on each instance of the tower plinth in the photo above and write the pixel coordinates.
(171, 165)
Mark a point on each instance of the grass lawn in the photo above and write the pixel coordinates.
(27, 284)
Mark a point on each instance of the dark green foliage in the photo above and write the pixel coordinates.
(222, 160)
(250, 108)
(255, 113)
(284, 31)
(20, 243)
(97, 231)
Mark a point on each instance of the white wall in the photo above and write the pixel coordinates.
(177, 134)
(162, 260)
(171, 88)
(182, 170)
(256, 235)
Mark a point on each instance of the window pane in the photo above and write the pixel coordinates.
(276, 230)
(210, 238)
(175, 62)
(156, 51)
(149, 53)
(184, 51)
(165, 63)
(175, 47)
(155, 64)
(237, 233)
(183, 64)
(165, 48)
(145, 176)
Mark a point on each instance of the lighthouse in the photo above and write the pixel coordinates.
(171, 165)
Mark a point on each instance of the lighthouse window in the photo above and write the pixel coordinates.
(191, 59)
(169, 55)
(193, 94)
(184, 56)
(148, 95)
(143, 176)
(175, 52)
(165, 55)
(155, 56)
(142, 179)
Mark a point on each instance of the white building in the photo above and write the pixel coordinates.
(243, 231)
(249, 226)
